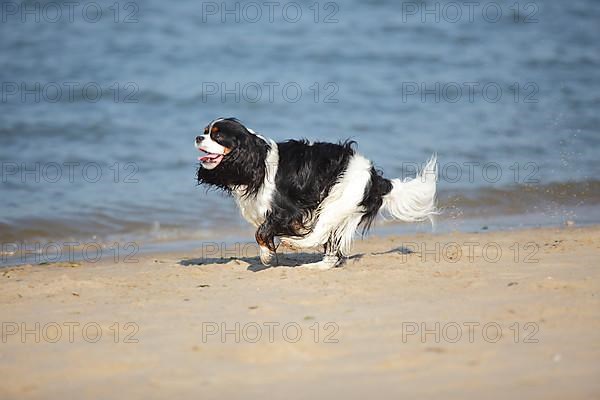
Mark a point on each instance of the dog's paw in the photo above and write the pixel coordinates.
(266, 257)
(320, 265)
(328, 262)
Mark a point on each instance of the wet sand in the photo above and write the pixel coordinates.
(460, 315)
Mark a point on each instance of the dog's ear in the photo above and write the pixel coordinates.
(244, 127)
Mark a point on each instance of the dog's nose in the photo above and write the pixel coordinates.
(199, 139)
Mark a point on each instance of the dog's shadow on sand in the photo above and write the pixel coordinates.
(288, 260)
(397, 250)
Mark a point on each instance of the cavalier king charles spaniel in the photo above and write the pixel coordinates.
(307, 194)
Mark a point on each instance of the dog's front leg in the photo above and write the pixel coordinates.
(266, 243)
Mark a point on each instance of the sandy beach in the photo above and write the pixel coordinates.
(461, 315)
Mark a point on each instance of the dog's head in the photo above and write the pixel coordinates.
(220, 137)
(235, 155)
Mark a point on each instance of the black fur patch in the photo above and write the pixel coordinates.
(305, 175)
(374, 192)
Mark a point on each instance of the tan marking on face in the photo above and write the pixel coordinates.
(226, 150)
(214, 129)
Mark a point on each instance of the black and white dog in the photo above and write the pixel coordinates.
(307, 194)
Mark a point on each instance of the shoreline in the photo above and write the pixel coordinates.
(404, 311)
(44, 252)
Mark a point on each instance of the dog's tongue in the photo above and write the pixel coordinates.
(210, 157)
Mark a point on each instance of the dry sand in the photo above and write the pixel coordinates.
(525, 325)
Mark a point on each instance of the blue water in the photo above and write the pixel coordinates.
(369, 70)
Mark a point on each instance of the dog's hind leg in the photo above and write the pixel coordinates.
(331, 259)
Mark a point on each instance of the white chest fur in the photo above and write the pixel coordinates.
(254, 208)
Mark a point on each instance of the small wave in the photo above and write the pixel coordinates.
(522, 199)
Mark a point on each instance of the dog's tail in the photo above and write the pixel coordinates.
(413, 200)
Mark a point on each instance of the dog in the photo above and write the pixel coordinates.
(307, 195)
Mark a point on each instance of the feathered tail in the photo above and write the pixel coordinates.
(413, 200)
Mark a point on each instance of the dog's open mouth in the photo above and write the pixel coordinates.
(210, 160)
